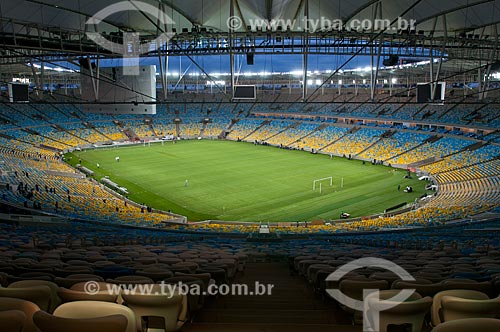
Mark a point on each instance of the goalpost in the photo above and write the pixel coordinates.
(320, 181)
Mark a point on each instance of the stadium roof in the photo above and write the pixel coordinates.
(469, 16)
(461, 35)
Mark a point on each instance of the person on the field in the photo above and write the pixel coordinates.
(186, 183)
(117, 159)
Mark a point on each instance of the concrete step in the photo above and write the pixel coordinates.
(268, 316)
(255, 327)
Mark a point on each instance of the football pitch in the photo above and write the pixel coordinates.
(237, 181)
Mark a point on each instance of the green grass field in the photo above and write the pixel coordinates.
(242, 182)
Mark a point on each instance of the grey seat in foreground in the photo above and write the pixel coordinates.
(173, 308)
(69, 295)
(12, 320)
(454, 308)
(48, 323)
(95, 309)
(436, 311)
(54, 299)
(468, 325)
(27, 307)
(412, 311)
(40, 295)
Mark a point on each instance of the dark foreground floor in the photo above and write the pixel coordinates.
(292, 307)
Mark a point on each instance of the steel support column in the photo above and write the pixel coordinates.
(305, 57)
(484, 92)
(435, 81)
(231, 46)
(374, 74)
(163, 59)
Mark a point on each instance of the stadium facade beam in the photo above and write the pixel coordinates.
(297, 12)
(269, 9)
(305, 58)
(94, 78)
(240, 14)
(231, 46)
(375, 65)
(485, 87)
(181, 76)
(443, 48)
(163, 58)
(36, 77)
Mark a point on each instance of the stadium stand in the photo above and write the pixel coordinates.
(395, 145)
(465, 177)
(445, 264)
(442, 147)
(355, 142)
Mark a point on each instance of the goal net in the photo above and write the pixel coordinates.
(321, 183)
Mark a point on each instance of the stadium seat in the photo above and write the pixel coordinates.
(354, 289)
(155, 273)
(54, 299)
(217, 274)
(27, 307)
(73, 279)
(96, 309)
(484, 286)
(69, 295)
(48, 323)
(412, 311)
(424, 289)
(12, 320)
(453, 308)
(471, 324)
(204, 277)
(173, 308)
(33, 276)
(436, 312)
(130, 280)
(40, 295)
(195, 298)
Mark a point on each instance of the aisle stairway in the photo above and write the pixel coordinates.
(292, 307)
